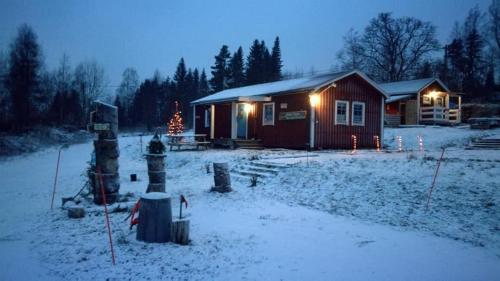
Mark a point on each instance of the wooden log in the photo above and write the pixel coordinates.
(222, 178)
(107, 147)
(76, 212)
(156, 177)
(111, 184)
(180, 232)
(155, 218)
(156, 163)
(156, 172)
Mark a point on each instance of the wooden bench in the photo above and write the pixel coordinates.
(196, 140)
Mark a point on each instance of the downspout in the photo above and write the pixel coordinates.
(194, 118)
(418, 108)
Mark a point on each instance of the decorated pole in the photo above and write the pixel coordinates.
(399, 140)
(377, 142)
(156, 165)
(104, 122)
(354, 144)
(420, 143)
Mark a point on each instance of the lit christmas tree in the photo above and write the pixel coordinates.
(175, 125)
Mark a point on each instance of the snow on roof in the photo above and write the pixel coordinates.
(397, 97)
(275, 88)
(409, 86)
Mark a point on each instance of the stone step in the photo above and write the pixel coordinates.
(250, 173)
(244, 179)
(269, 165)
(260, 169)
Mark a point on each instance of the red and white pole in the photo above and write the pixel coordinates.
(106, 212)
(55, 178)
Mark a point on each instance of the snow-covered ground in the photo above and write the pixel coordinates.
(334, 215)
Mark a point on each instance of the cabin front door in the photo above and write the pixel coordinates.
(241, 121)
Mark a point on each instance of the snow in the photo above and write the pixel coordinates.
(306, 83)
(336, 215)
(408, 87)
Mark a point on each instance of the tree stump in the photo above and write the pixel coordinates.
(180, 232)
(156, 172)
(76, 212)
(222, 179)
(155, 218)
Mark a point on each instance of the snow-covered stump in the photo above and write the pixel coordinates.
(180, 232)
(156, 172)
(104, 122)
(155, 218)
(222, 178)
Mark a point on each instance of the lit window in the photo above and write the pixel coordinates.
(207, 117)
(268, 114)
(358, 113)
(341, 112)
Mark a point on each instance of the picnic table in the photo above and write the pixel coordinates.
(188, 140)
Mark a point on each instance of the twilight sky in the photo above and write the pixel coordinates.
(151, 35)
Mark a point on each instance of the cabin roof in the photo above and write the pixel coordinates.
(410, 86)
(310, 83)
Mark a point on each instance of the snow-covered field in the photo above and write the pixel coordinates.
(332, 216)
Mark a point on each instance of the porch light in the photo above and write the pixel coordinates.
(248, 108)
(314, 100)
(433, 94)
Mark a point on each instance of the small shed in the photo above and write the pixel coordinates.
(421, 101)
(321, 111)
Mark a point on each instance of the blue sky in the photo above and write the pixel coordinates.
(150, 35)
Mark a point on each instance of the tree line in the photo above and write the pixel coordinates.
(32, 95)
(393, 49)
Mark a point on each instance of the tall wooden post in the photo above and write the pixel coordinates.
(104, 122)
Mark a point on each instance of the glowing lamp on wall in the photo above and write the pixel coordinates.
(248, 108)
(314, 100)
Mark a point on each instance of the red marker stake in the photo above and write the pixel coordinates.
(106, 212)
(55, 179)
(434, 181)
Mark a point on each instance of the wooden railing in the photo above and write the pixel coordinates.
(439, 114)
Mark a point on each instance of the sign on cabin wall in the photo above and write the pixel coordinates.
(293, 115)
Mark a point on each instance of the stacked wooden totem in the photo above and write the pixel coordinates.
(103, 172)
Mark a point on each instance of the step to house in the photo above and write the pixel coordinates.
(248, 144)
(261, 170)
(486, 143)
(258, 169)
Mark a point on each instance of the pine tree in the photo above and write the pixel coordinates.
(266, 66)
(204, 88)
(473, 48)
(196, 84)
(176, 125)
(276, 63)
(220, 70)
(237, 74)
(255, 63)
(23, 76)
(180, 79)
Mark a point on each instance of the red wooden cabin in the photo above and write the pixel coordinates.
(321, 112)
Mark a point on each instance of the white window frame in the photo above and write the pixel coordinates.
(264, 122)
(207, 118)
(337, 102)
(362, 116)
